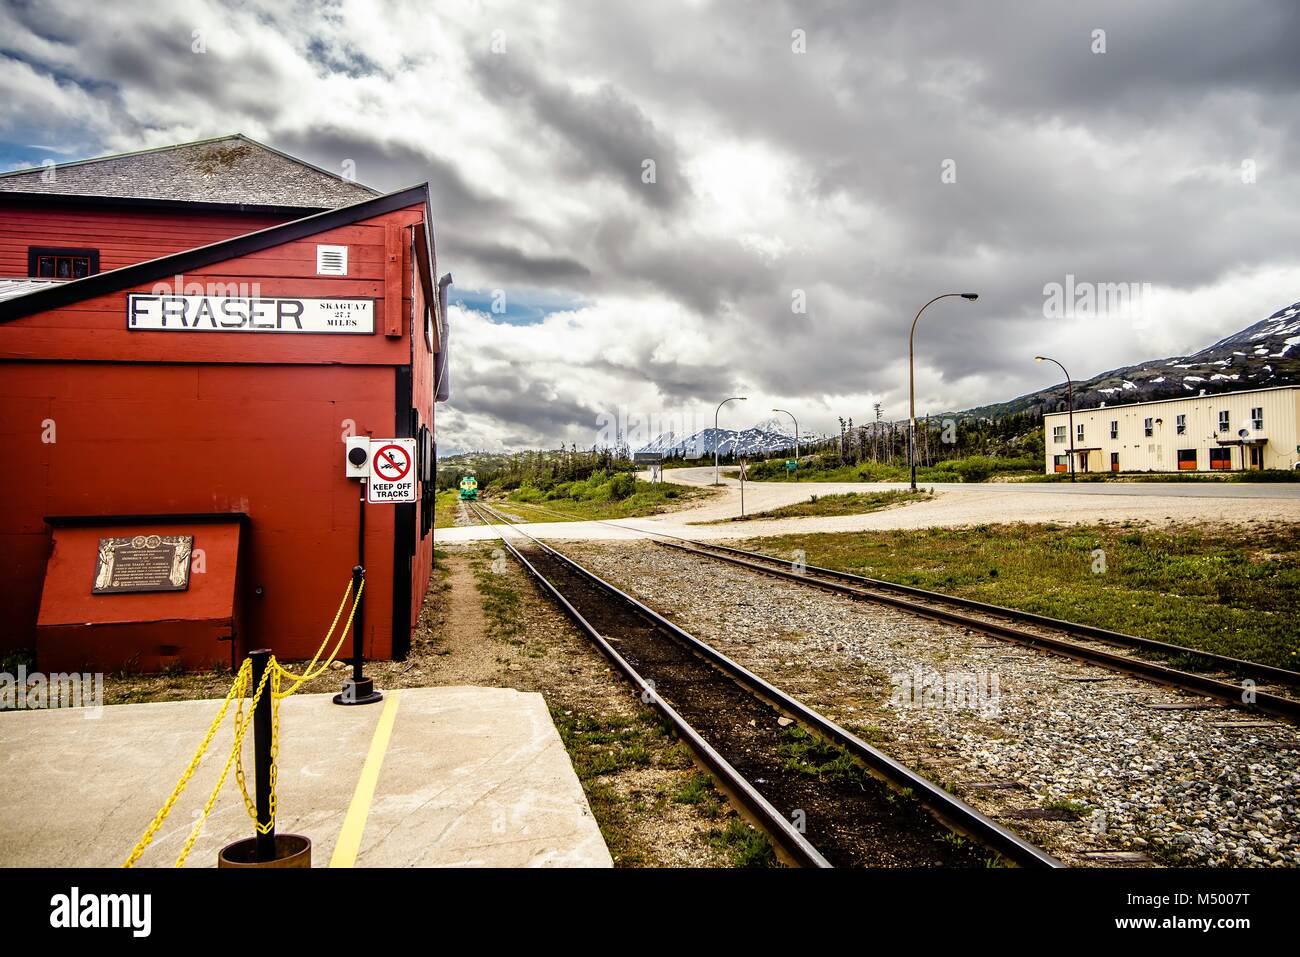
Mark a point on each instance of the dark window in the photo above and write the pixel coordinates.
(1114, 461)
(1221, 458)
(45, 262)
(1187, 460)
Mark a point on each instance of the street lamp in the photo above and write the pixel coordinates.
(716, 443)
(911, 379)
(1069, 391)
(796, 440)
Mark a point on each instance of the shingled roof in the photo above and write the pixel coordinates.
(231, 170)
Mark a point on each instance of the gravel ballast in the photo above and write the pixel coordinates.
(1079, 759)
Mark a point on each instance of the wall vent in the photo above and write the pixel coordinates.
(331, 260)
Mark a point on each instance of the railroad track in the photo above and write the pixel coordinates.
(826, 797)
(1273, 690)
(1068, 639)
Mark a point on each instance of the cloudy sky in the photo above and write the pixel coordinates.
(648, 207)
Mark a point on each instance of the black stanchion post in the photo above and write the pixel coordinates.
(358, 689)
(262, 755)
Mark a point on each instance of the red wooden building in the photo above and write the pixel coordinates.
(187, 337)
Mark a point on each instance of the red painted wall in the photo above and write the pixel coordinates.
(159, 422)
(156, 630)
(123, 235)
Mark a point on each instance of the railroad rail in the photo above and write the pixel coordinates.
(691, 683)
(938, 607)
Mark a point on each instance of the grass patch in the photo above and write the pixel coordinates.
(808, 754)
(446, 505)
(600, 497)
(743, 845)
(850, 503)
(603, 746)
(827, 468)
(1227, 591)
(499, 593)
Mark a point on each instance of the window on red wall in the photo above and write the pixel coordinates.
(51, 262)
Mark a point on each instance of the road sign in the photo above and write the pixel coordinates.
(392, 472)
(791, 465)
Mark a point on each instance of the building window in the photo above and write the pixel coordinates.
(1114, 429)
(1187, 460)
(1114, 461)
(1180, 424)
(47, 262)
(1060, 464)
(1257, 419)
(1078, 432)
(1221, 458)
(1148, 427)
(1223, 421)
(1058, 433)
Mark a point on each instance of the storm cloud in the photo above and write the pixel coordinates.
(820, 171)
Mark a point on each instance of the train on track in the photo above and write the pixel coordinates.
(468, 489)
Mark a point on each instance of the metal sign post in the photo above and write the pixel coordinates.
(652, 459)
(743, 463)
(388, 475)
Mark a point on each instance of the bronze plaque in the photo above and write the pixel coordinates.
(143, 563)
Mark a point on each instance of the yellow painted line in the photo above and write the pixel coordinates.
(354, 825)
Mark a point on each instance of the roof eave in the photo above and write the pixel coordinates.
(25, 198)
(116, 280)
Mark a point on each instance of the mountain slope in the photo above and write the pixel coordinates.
(1262, 355)
(763, 438)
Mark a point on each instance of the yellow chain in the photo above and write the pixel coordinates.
(347, 592)
(236, 689)
(277, 696)
(241, 726)
(271, 674)
(310, 675)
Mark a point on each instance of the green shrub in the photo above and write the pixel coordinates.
(621, 486)
(977, 468)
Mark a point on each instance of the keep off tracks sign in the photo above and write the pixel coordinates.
(392, 472)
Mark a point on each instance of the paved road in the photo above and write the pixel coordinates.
(953, 505)
(1203, 489)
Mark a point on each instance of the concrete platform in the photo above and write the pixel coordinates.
(432, 777)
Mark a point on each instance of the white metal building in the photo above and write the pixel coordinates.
(1231, 431)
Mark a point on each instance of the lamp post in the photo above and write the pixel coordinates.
(911, 378)
(796, 440)
(1069, 392)
(716, 443)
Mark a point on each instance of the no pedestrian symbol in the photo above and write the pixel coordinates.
(392, 476)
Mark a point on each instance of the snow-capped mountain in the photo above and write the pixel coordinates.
(1261, 355)
(764, 438)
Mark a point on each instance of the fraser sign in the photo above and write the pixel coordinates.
(180, 313)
